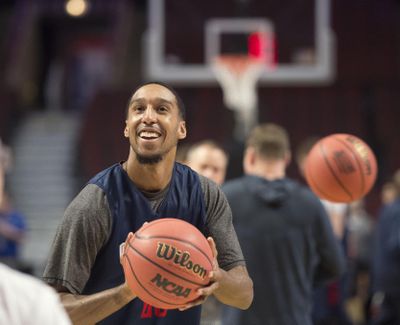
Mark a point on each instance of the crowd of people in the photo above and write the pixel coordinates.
(283, 255)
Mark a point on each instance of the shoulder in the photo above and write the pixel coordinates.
(91, 196)
(215, 200)
(89, 205)
(99, 177)
(390, 209)
(207, 184)
(305, 193)
(210, 189)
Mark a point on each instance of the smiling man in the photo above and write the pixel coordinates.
(84, 262)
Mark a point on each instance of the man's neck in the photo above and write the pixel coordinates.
(150, 177)
(271, 171)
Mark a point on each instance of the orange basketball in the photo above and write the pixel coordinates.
(166, 261)
(340, 168)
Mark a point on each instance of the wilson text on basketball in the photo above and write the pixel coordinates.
(180, 258)
(362, 151)
(343, 162)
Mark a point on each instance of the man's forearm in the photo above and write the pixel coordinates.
(235, 288)
(91, 309)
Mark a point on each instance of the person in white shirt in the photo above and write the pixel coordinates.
(26, 300)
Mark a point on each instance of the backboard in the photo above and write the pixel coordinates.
(183, 38)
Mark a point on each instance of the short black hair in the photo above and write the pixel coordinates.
(179, 102)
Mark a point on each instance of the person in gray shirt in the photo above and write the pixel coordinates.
(84, 264)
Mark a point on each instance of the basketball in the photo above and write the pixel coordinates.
(340, 168)
(166, 261)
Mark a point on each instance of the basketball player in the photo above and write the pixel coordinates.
(208, 159)
(284, 231)
(84, 264)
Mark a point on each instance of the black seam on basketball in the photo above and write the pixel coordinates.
(163, 268)
(358, 162)
(178, 239)
(314, 185)
(138, 281)
(333, 172)
(326, 195)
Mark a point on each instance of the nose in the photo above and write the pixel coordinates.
(149, 115)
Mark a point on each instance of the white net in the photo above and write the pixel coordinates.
(238, 76)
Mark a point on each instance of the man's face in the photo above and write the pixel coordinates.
(209, 162)
(153, 124)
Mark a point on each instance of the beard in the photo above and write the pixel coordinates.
(149, 160)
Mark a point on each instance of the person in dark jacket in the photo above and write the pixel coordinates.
(386, 263)
(284, 231)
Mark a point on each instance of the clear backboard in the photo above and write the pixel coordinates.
(184, 38)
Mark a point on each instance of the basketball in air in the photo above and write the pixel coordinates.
(341, 168)
(166, 261)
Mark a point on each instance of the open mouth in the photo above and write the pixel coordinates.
(149, 135)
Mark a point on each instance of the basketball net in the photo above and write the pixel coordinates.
(238, 76)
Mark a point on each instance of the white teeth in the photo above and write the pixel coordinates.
(148, 134)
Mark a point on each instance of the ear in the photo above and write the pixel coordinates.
(126, 130)
(182, 130)
(249, 160)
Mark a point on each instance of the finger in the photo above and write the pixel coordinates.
(208, 291)
(124, 246)
(121, 250)
(193, 303)
(213, 247)
(215, 254)
(129, 237)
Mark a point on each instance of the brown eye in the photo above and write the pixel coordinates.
(139, 109)
(162, 109)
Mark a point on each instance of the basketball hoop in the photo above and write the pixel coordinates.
(238, 76)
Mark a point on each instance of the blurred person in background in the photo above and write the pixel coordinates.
(25, 300)
(12, 223)
(208, 159)
(385, 304)
(284, 231)
(389, 193)
(359, 248)
(329, 300)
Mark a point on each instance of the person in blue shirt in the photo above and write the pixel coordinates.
(12, 230)
(12, 223)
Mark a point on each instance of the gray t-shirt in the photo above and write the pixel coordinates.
(86, 227)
